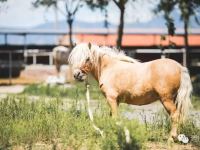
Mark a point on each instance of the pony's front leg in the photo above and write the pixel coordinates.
(111, 96)
(112, 101)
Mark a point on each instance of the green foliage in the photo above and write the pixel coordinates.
(46, 3)
(187, 8)
(167, 7)
(97, 4)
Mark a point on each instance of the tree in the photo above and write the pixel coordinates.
(167, 7)
(71, 8)
(121, 5)
(188, 8)
(102, 5)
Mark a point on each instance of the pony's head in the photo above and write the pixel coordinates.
(82, 60)
(85, 57)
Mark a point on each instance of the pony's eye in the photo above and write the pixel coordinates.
(87, 59)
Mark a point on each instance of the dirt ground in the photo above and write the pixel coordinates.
(32, 74)
(11, 89)
(162, 146)
(149, 146)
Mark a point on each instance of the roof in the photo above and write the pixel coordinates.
(133, 37)
(133, 40)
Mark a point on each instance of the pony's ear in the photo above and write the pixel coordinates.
(89, 45)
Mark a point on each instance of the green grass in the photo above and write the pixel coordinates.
(190, 129)
(26, 122)
(59, 117)
(160, 127)
(78, 90)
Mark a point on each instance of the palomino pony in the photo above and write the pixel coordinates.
(60, 56)
(125, 80)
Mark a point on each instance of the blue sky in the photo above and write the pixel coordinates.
(20, 13)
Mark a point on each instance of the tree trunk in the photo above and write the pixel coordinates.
(120, 27)
(70, 22)
(186, 44)
(69, 72)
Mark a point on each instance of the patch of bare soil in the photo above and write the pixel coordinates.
(32, 74)
(11, 89)
(38, 73)
(149, 146)
(165, 146)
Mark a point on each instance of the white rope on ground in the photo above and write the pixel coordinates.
(127, 135)
(126, 132)
(90, 111)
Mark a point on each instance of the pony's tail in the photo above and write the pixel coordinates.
(183, 99)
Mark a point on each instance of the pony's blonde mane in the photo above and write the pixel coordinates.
(82, 51)
(118, 54)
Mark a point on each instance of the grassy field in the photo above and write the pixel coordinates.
(58, 119)
(25, 122)
(77, 90)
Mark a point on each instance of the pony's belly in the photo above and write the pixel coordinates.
(139, 100)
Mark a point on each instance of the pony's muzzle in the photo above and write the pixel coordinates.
(79, 75)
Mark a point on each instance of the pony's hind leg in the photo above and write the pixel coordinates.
(170, 106)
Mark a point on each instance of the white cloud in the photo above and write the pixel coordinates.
(20, 13)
